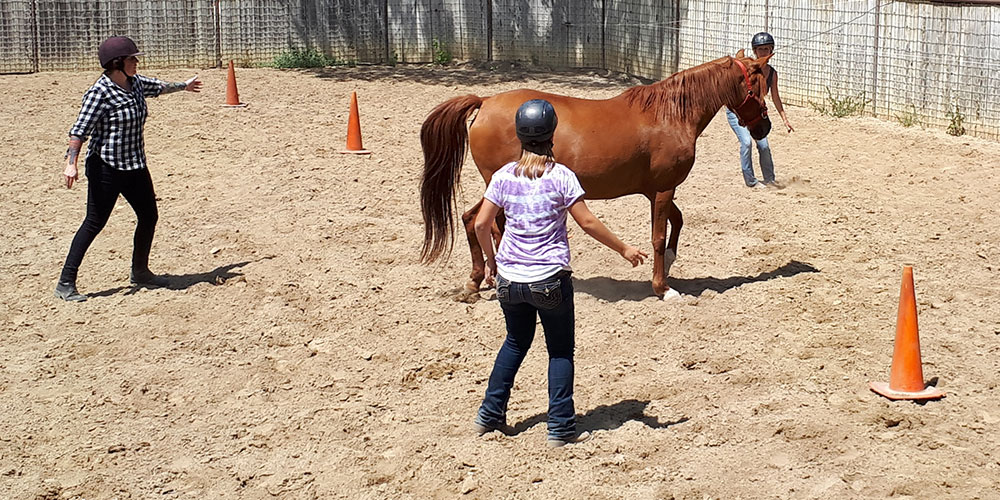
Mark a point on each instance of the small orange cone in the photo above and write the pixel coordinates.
(906, 378)
(354, 130)
(232, 95)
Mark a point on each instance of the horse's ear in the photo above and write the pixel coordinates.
(763, 60)
(740, 54)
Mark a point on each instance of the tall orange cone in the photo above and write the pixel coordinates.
(354, 130)
(232, 95)
(906, 378)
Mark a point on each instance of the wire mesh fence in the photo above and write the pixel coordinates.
(171, 33)
(927, 63)
(17, 39)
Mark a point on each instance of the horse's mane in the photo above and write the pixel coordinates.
(684, 92)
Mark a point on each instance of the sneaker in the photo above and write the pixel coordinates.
(68, 292)
(483, 429)
(759, 185)
(147, 278)
(560, 442)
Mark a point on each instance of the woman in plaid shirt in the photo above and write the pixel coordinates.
(113, 115)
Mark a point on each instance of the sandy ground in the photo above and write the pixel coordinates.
(303, 352)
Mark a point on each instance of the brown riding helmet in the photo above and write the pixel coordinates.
(115, 47)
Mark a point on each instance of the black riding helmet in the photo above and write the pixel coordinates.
(535, 122)
(762, 38)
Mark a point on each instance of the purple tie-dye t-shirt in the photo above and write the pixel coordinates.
(534, 244)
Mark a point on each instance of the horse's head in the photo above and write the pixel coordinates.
(750, 106)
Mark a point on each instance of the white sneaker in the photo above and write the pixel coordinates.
(759, 185)
(481, 429)
(579, 438)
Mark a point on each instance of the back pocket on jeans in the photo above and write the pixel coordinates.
(503, 290)
(546, 294)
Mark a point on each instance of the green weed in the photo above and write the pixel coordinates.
(303, 58)
(908, 118)
(441, 54)
(955, 127)
(839, 107)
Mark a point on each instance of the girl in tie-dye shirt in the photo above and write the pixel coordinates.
(531, 269)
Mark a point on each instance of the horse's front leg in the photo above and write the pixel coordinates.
(661, 214)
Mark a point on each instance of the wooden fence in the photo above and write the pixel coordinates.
(911, 60)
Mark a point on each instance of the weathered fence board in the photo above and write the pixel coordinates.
(563, 35)
(423, 31)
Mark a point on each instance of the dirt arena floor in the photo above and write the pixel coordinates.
(303, 352)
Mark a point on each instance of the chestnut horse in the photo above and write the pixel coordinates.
(639, 142)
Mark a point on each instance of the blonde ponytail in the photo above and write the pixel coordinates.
(533, 164)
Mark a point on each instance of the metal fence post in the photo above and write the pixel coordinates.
(385, 19)
(489, 30)
(604, 30)
(767, 15)
(676, 21)
(878, 16)
(218, 34)
(35, 56)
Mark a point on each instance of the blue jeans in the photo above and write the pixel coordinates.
(746, 163)
(550, 299)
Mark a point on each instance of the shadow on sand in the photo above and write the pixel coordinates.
(614, 290)
(466, 74)
(216, 276)
(606, 417)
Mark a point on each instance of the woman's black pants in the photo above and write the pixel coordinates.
(104, 184)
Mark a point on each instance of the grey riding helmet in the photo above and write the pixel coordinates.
(762, 38)
(535, 121)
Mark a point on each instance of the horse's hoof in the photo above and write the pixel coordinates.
(670, 294)
(469, 294)
(468, 298)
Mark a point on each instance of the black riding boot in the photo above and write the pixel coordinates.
(145, 277)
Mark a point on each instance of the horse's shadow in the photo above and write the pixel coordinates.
(606, 417)
(493, 72)
(615, 290)
(216, 276)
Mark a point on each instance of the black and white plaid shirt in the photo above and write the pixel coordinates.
(114, 118)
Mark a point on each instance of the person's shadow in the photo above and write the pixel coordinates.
(614, 290)
(216, 276)
(606, 417)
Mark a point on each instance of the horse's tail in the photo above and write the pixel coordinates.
(444, 138)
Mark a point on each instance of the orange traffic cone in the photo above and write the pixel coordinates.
(354, 130)
(232, 95)
(906, 378)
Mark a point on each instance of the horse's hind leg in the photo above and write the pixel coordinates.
(478, 264)
(470, 293)
(676, 222)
